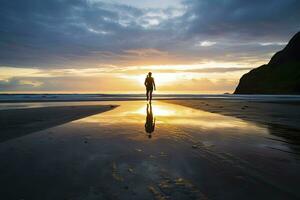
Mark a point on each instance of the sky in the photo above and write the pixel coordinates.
(108, 46)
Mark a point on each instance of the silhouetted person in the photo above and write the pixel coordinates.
(150, 122)
(150, 85)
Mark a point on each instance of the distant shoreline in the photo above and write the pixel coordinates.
(28, 98)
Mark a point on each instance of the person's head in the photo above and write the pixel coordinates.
(150, 74)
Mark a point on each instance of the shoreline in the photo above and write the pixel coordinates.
(34, 98)
(276, 115)
(295, 102)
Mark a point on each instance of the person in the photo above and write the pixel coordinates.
(150, 121)
(150, 85)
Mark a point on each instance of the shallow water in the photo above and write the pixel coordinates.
(135, 152)
(11, 99)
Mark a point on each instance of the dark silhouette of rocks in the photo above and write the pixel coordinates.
(280, 76)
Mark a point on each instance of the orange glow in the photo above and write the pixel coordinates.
(175, 79)
(130, 113)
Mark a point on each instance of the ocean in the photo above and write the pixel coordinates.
(16, 101)
(6, 98)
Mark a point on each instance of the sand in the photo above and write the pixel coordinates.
(18, 122)
(274, 115)
(220, 150)
(191, 154)
(284, 114)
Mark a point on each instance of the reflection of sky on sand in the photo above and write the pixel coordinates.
(171, 114)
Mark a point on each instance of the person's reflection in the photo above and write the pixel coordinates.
(150, 121)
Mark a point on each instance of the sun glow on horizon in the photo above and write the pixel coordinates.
(209, 77)
(168, 75)
(159, 78)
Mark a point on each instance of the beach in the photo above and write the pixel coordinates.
(280, 117)
(150, 100)
(279, 113)
(198, 149)
(18, 122)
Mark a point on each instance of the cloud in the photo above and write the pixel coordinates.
(247, 20)
(69, 41)
(144, 52)
(64, 33)
(15, 84)
(204, 85)
(206, 44)
(103, 84)
(70, 84)
(219, 69)
(273, 43)
(188, 71)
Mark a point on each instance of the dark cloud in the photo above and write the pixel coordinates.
(59, 33)
(69, 84)
(256, 19)
(200, 70)
(54, 32)
(17, 84)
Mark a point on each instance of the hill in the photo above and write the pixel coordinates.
(280, 76)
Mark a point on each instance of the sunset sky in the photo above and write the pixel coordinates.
(108, 46)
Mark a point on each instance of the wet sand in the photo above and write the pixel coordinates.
(281, 118)
(191, 154)
(277, 113)
(18, 122)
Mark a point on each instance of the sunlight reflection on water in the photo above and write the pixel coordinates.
(165, 113)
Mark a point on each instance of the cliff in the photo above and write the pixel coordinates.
(280, 76)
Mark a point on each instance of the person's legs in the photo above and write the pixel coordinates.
(147, 94)
(150, 95)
